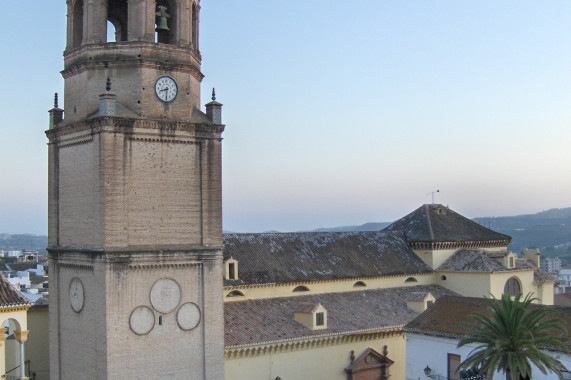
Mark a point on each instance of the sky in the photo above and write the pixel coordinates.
(339, 113)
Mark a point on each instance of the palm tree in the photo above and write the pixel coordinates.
(509, 339)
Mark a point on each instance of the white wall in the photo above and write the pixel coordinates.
(423, 350)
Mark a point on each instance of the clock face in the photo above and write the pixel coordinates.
(76, 294)
(166, 89)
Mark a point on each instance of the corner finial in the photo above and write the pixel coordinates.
(55, 101)
(108, 84)
(213, 94)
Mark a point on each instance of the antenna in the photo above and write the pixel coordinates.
(432, 193)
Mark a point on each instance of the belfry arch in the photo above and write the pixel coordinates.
(77, 24)
(118, 15)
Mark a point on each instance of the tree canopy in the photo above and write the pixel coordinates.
(510, 338)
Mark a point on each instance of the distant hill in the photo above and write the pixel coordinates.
(363, 227)
(550, 230)
(23, 241)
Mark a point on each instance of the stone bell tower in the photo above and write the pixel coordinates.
(135, 204)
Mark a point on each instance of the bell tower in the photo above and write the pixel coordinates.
(135, 200)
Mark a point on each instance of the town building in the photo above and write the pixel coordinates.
(551, 264)
(439, 330)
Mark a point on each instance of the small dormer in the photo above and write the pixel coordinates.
(440, 210)
(507, 259)
(231, 269)
(312, 316)
(533, 255)
(419, 301)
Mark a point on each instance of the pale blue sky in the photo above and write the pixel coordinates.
(340, 112)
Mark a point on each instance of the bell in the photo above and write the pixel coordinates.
(162, 24)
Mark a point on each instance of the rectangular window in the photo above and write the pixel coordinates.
(319, 319)
(511, 262)
(453, 365)
(232, 271)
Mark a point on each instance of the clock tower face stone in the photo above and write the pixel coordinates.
(135, 200)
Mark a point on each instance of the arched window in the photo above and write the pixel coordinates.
(411, 279)
(359, 284)
(443, 278)
(512, 287)
(77, 24)
(111, 32)
(166, 22)
(117, 15)
(301, 288)
(194, 26)
(235, 293)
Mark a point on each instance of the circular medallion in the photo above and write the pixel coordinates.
(165, 295)
(76, 295)
(188, 316)
(166, 89)
(142, 320)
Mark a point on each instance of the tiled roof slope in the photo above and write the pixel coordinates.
(447, 316)
(563, 299)
(9, 296)
(314, 256)
(268, 320)
(427, 225)
(471, 260)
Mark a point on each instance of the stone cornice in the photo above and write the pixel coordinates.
(133, 53)
(309, 342)
(164, 131)
(18, 307)
(296, 283)
(436, 245)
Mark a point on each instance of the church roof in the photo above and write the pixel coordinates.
(314, 256)
(269, 320)
(9, 296)
(437, 223)
(472, 260)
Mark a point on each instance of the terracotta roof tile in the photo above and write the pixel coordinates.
(471, 260)
(266, 320)
(314, 256)
(437, 223)
(9, 296)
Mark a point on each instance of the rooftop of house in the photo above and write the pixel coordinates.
(450, 316)
(9, 295)
(269, 320)
(438, 223)
(562, 299)
(313, 256)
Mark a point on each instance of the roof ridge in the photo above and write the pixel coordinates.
(429, 222)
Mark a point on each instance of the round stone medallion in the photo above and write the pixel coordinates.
(76, 294)
(165, 295)
(188, 316)
(142, 320)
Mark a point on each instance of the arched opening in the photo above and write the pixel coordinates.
(235, 293)
(443, 278)
(512, 287)
(166, 22)
(194, 26)
(359, 284)
(11, 360)
(117, 16)
(411, 279)
(111, 32)
(77, 24)
(301, 288)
